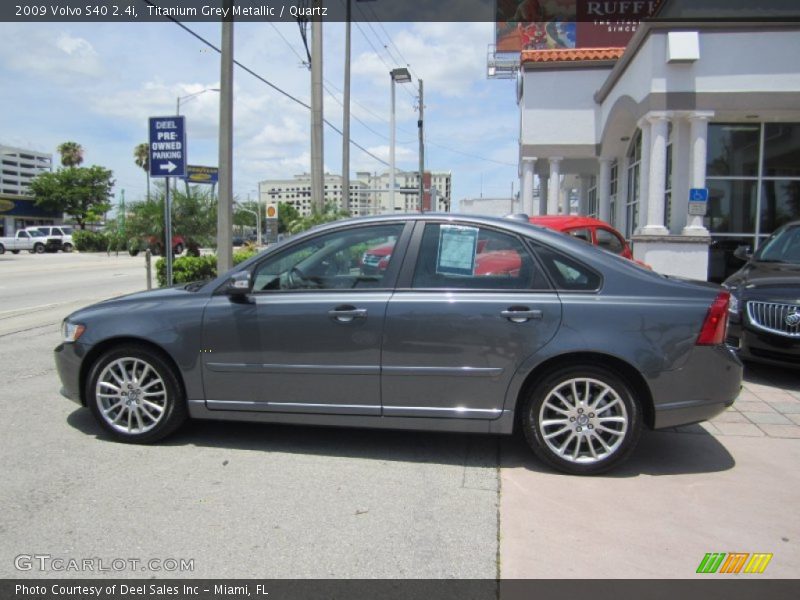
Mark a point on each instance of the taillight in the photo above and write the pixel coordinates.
(716, 324)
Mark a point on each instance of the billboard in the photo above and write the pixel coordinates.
(552, 24)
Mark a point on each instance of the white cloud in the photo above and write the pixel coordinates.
(60, 56)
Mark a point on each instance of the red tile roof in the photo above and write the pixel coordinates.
(571, 55)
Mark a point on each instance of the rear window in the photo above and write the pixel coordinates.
(566, 273)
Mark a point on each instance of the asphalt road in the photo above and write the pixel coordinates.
(239, 500)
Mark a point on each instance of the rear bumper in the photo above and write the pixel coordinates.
(708, 384)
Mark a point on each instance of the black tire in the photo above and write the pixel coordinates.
(178, 248)
(160, 383)
(67, 248)
(39, 248)
(15, 252)
(2, 249)
(133, 251)
(571, 439)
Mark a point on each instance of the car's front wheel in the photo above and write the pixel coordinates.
(582, 420)
(67, 248)
(135, 395)
(38, 248)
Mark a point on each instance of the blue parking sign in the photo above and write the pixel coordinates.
(167, 147)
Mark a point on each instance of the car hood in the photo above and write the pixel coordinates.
(768, 279)
(158, 295)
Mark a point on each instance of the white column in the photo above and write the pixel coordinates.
(657, 176)
(544, 188)
(644, 175)
(604, 190)
(554, 186)
(528, 164)
(698, 140)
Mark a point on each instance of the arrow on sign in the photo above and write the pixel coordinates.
(170, 166)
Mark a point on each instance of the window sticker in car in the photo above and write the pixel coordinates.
(457, 245)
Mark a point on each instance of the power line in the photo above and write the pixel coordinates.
(303, 61)
(269, 83)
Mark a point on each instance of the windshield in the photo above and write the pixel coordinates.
(783, 246)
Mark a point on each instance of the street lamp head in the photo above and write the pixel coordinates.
(400, 75)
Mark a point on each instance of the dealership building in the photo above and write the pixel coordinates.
(700, 103)
(17, 208)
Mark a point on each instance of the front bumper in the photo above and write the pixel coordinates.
(705, 386)
(68, 359)
(762, 346)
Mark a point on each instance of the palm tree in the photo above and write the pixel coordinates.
(71, 154)
(141, 154)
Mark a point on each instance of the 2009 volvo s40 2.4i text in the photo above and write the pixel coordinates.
(576, 347)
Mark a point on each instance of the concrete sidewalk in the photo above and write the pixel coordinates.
(731, 485)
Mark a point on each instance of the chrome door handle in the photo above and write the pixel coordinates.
(521, 314)
(347, 314)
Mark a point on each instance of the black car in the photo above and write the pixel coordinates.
(765, 300)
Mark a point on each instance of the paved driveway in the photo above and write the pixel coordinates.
(731, 485)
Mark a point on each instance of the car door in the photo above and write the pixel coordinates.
(308, 337)
(472, 304)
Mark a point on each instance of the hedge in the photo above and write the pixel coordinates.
(186, 269)
(90, 241)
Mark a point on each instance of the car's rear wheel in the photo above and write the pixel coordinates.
(67, 248)
(582, 420)
(135, 395)
(2, 249)
(178, 248)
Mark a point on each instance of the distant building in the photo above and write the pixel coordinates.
(369, 192)
(17, 208)
(19, 167)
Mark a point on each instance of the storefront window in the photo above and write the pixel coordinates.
(780, 203)
(782, 150)
(732, 150)
(634, 175)
(748, 200)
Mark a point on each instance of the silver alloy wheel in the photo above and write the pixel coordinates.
(583, 420)
(131, 395)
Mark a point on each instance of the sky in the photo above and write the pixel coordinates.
(97, 84)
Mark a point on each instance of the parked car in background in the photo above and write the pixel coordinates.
(156, 244)
(63, 232)
(590, 230)
(31, 240)
(574, 347)
(765, 300)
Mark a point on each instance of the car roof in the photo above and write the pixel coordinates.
(562, 222)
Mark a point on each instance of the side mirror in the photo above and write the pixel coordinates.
(239, 285)
(744, 253)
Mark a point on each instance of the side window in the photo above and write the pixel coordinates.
(566, 273)
(24, 234)
(581, 234)
(468, 257)
(353, 258)
(608, 241)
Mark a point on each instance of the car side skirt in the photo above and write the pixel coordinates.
(504, 424)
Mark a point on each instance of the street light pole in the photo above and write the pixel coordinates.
(400, 75)
(346, 119)
(178, 113)
(225, 198)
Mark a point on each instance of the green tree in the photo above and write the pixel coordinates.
(71, 154)
(331, 213)
(83, 193)
(287, 214)
(194, 216)
(141, 155)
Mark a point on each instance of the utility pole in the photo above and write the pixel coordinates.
(225, 199)
(317, 150)
(421, 151)
(346, 118)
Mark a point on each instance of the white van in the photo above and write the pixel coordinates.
(63, 232)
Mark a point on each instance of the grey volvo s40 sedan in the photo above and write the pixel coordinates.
(460, 324)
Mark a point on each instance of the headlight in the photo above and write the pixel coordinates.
(70, 332)
(733, 305)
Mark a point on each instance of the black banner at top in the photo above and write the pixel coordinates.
(147, 11)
